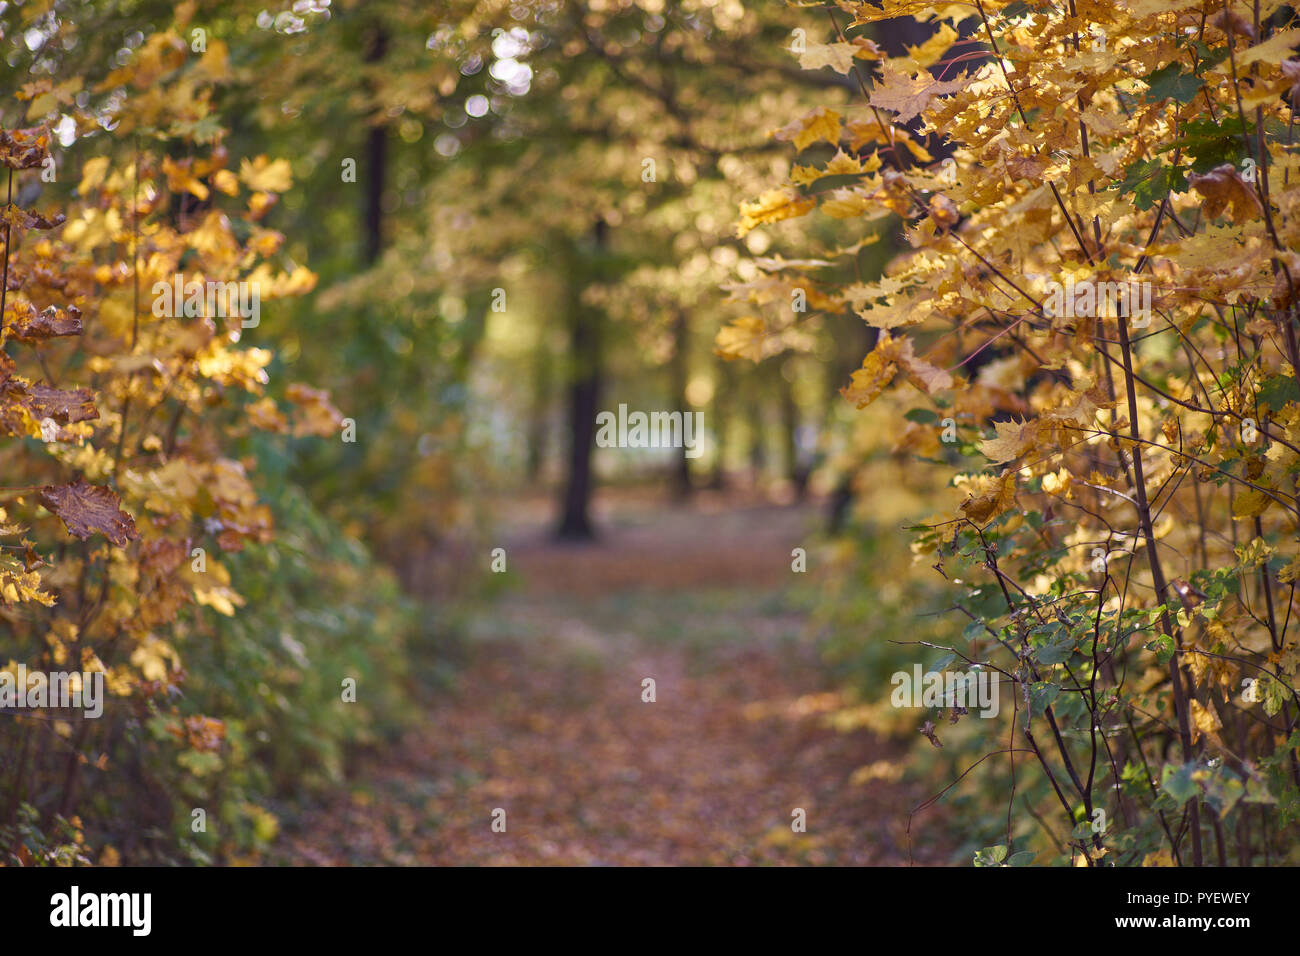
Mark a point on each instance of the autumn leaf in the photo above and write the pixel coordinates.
(996, 496)
(1205, 720)
(65, 406)
(929, 378)
(24, 148)
(48, 324)
(1250, 503)
(86, 509)
(17, 586)
(265, 175)
(26, 219)
(200, 733)
(841, 164)
(820, 123)
(852, 202)
(181, 180)
(226, 182)
(1012, 440)
(744, 337)
(1223, 187)
(932, 49)
(877, 371)
(908, 95)
(773, 206)
(93, 172)
(316, 413)
(838, 56)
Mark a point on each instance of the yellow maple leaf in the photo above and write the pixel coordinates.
(820, 123)
(266, 175)
(93, 172)
(996, 496)
(928, 53)
(877, 371)
(1013, 439)
(838, 56)
(773, 206)
(1250, 503)
(904, 94)
(226, 181)
(180, 179)
(743, 338)
(1205, 720)
(929, 378)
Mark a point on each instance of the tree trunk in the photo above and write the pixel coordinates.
(681, 341)
(376, 162)
(585, 333)
(796, 471)
(757, 446)
(862, 339)
(721, 408)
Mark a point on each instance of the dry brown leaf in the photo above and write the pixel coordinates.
(86, 509)
(1223, 187)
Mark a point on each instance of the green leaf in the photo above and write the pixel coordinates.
(1171, 82)
(1041, 696)
(1055, 652)
(1178, 782)
(1257, 792)
(1162, 646)
(1211, 143)
(1277, 390)
(1223, 793)
(991, 856)
(1150, 181)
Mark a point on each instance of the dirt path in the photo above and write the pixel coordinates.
(547, 720)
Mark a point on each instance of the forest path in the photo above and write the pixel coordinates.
(546, 718)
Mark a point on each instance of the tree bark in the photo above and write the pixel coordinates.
(376, 162)
(795, 469)
(682, 487)
(585, 355)
(721, 410)
(757, 445)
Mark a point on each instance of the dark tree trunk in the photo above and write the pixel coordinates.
(862, 339)
(681, 339)
(585, 346)
(721, 409)
(796, 470)
(376, 162)
(757, 444)
(584, 396)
